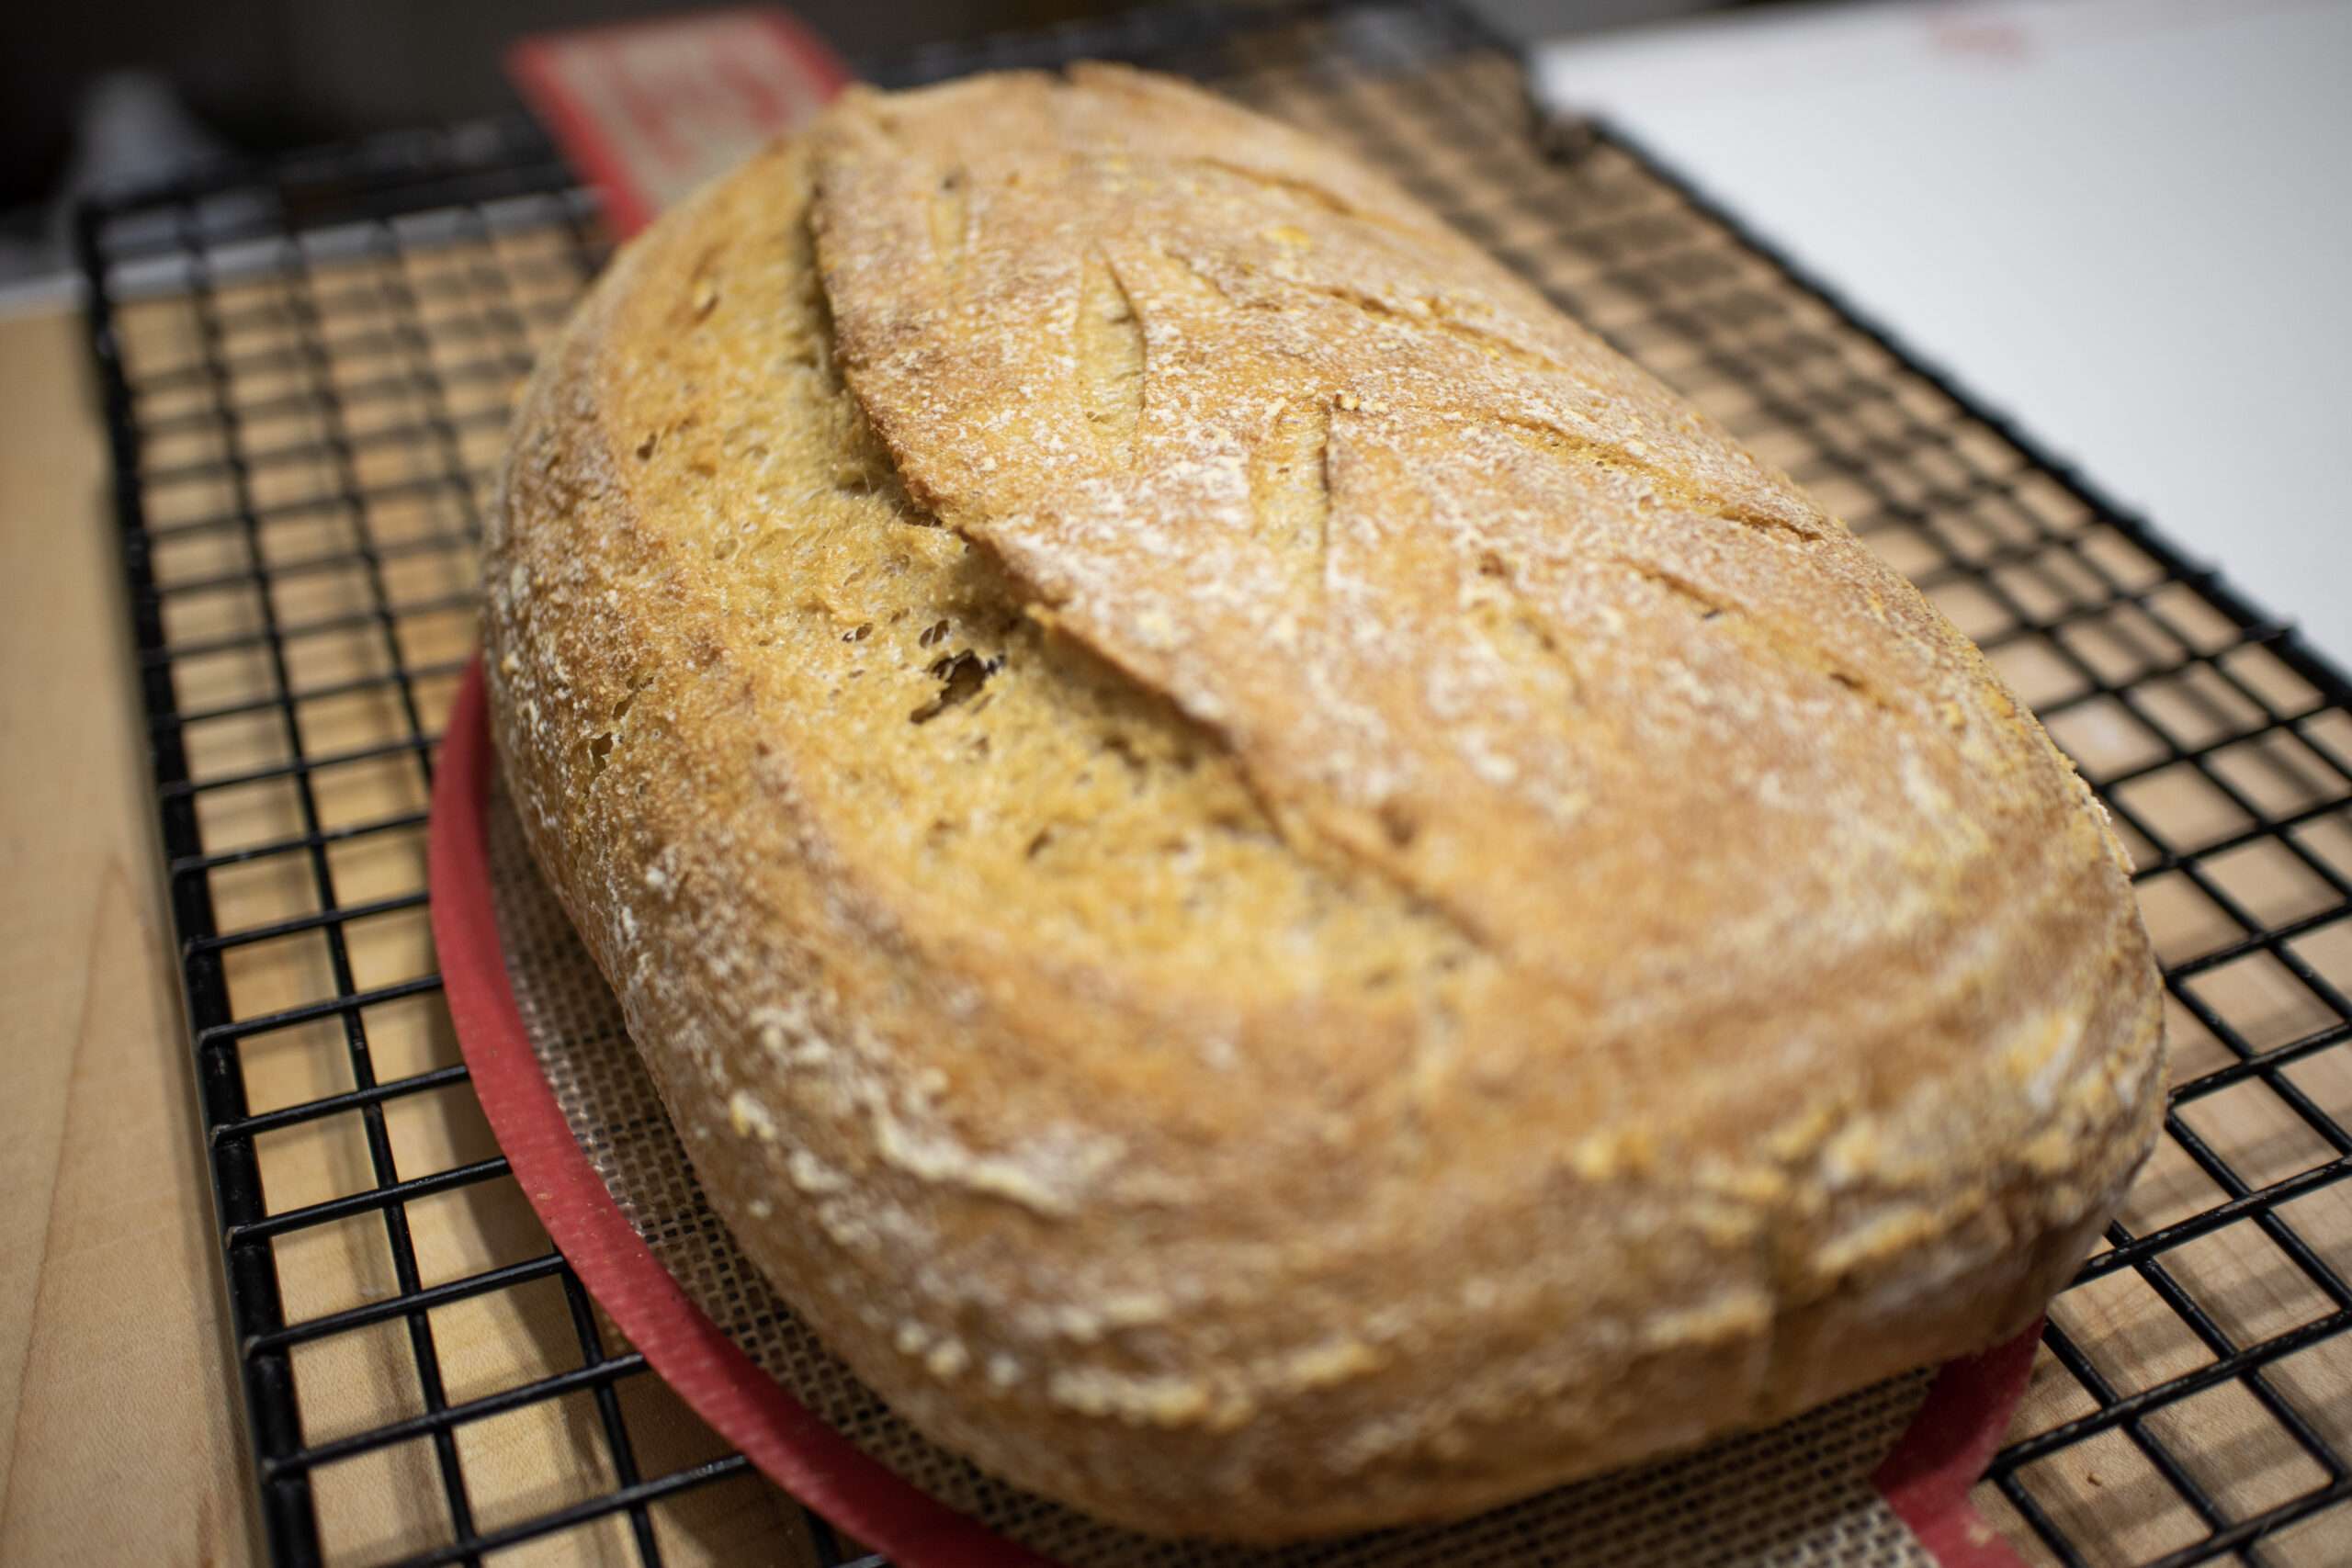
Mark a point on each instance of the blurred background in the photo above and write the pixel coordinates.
(116, 88)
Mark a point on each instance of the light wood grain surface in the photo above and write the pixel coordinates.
(118, 1443)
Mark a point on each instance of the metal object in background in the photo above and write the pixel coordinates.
(306, 369)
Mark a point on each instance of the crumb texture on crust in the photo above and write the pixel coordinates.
(1281, 894)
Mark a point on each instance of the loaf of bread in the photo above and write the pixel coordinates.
(1279, 894)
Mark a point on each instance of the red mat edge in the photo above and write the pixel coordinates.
(1926, 1478)
(778, 1434)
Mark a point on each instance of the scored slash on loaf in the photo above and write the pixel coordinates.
(1276, 891)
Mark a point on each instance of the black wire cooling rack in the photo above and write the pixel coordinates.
(306, 369)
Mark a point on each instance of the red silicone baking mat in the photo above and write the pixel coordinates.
(1882, 1476)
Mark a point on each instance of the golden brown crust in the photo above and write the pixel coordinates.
(1382, 917)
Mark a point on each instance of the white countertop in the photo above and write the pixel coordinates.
(2126, 223)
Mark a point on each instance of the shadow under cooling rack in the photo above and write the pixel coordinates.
(307, 368)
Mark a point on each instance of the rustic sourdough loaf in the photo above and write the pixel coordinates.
(1280, 894)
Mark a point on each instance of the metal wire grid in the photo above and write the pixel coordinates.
(306, 371)
(264, 388)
